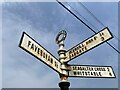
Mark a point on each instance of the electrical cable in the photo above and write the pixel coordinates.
(81, 16)
(84, 23)
(88, 21)
(95, 18)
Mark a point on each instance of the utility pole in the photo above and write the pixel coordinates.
(64, 83)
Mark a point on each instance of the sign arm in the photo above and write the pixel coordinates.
(32, 47)
(88, 44)
(91, 71)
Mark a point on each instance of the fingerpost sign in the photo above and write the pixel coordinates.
(61, 65)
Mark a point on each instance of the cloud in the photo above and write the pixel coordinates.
(27, 78)
(18, 70)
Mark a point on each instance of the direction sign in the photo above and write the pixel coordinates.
(91, 71)
(31, 46)
(97, 39)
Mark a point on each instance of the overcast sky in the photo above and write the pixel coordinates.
(43, 21)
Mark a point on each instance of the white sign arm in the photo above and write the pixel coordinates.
(90, 43)
(31, 46)
(92, 71)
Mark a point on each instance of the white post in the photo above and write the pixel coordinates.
(62, 58)
(64, 84)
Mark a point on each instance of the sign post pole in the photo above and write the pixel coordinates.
(60, 66)
(64, 84)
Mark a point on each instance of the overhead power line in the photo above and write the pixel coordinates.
(84, 23)
(96, 18)
(91, 14)
(76, 16)
(81, 16)
(90, 22)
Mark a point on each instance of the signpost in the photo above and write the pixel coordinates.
(31, 46)
(97, 39)
(60, 65)
(88, 71)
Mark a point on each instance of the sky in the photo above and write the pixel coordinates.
(42, 21)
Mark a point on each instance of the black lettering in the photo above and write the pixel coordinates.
(97, 74)
(56, 64)
(46, 56)
(83, 73)
(91, 40)
(41, 52)
(80, 73)
(73, 68)
(110, 74)
(102, 38)
(82, 68)
(74, 73)
(75, 49)
(70, 52)
(102, 33)
(77, 52)
(29, 42)
(80, 51)
(95, 37)
(38, 51)
(86, 73)
(94, 73)
(108, 69)
(32, 46)
(79, 46)
(91, 73)
(78, 68)
(91, 69)
(70, 56)
(88, 68)
(100, 74)
(85, 48)
(82, 45)
(74, 53)
(95, 69)
(51, 60)
(35, 48)
(87, 43)
(98, 69)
